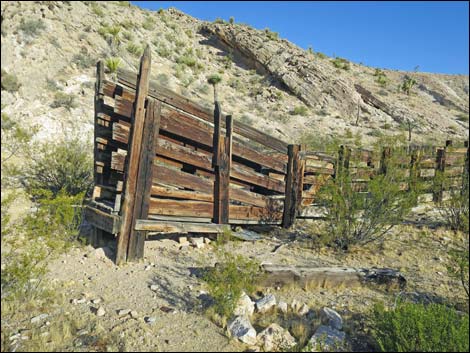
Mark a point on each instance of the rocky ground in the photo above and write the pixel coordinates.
(160, 303)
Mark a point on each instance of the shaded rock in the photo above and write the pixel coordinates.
(282, 306)
(265, 303)
(327, 339)
(134, 314)
(304, 309)
(197, 241)
(123, 312)
(39, 318)
(241, 329)
(100, 311)
(150, 320)
(331, 318)
(244, 306)
(276, 338)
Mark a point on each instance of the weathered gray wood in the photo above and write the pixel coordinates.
(102, 220)
(127, 209)
(439, 174)
(144, 178)
(292, 198)
(98, 177)
(178, 227)
(330, 277)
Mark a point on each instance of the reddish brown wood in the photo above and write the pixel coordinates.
(127, 209)
(292, 186)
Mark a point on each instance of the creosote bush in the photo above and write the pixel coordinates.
(32, 28)
(65, 167)
(228, 279)
(10, 82)
(300, 110)
(359, 218)
(134, 49)
(420, 328)
(341, 63)
(62, 99)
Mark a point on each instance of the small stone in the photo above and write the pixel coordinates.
(123, 312)
(207, 241)
(39, 318)
(183, 240)
(331, 318)
(81, 301)
(96, 301)
(326, 339)
(134, 314)
(282, 306)
(196, 241)
(241, 328)
(150, 320)
(148, 267)
(265, 303)
(276, 338)
(82, 332)
(154, 287)
(304, 309)
(200, 246)
(100, 311)
(15, 337)
(244, 306)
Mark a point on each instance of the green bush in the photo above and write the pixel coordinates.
(32, 28)
(300, 110)
(187, 60)
(66, 167)
(134, 49)
(321, 55)
(148, 24)
(420, 328)
(359, 218)
(271, 35)
(408, 84)
(231, 20)
(83, 60)
(112, 64)
(10, 82)
(65, 100)
(341, 63)
(96, 9)
(163, 51)
(15, 139)
(228, 279)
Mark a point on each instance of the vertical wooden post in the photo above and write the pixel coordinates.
(135, 142)
(414, 170)
(439, 174)
(222, 155)
(99, 95)
(465, 171)
(144, 178)
(339, 162)
(292, 186)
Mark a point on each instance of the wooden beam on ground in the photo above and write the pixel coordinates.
(292, 185)
(178, 227)
(135, 143)
(144, 178)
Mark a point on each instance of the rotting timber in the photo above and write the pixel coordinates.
(165, 164)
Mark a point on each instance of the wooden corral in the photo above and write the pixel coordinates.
(166, 164)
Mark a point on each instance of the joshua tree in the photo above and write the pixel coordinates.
(408, 84)
(214, 80)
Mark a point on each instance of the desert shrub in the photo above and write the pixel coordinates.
(231, 20)
(341, 63)
(96, 9)
(455, 208)
(64, 167)
(321, 55)
(15, 138)
(65, 100)
(32, 28)
(359, 218)
(128, 35)
(83, 60)
(128, 24)
(124, 3)
(134, 49)
(228, 279)
(148, 24)
(300, 110)
(163, 51)
(111, 34)
(219, 20)
(408, 84)
(163, 79)
(10, 82)
(381, 77)
(458, 266)
(187, 60)
(112, 64)
(271, 35)
(420, 328)
(463, 117)
(321, 143)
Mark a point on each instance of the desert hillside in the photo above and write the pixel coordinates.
(51, 49)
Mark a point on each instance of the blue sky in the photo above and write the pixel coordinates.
(393, 35)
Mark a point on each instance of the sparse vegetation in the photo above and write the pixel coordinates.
(32, 28)
(64, 100)
(413, 327)
(228, 279)
(408, 84)
(112, 64)
(148, 24)
(134, 49)
(271, 35)
(341, 63)
(10, 82)
(83, 60)
(300, 110)
(381, 77)
(97, 9)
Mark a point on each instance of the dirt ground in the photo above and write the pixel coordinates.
(181, 325)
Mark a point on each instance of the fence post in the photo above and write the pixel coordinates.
(222, 161)
(292, 186)
(144, 178)
(414, 170)
(465, 171)
(439, 174)
(386, 152)
(133, 156)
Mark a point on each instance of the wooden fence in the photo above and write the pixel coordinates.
(166, 164)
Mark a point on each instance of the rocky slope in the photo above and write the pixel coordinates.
(51, 48)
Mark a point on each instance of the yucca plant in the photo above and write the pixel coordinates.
(214, 80)
(112, 64)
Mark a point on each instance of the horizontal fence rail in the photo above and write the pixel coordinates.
(166, 164)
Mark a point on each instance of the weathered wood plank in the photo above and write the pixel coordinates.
(292, 186)
(127, 209)
(102, 220)
(144, 178)
(178, 227)
(128, 78)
